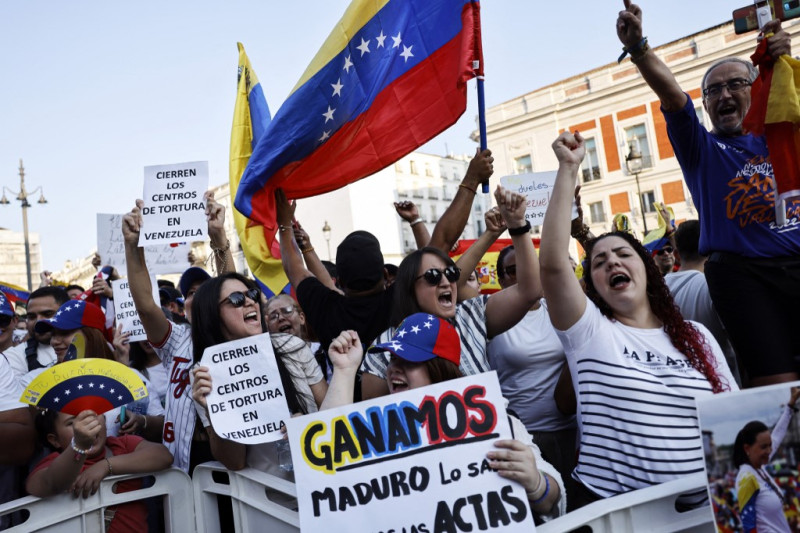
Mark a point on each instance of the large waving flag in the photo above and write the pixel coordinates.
(391, 76)
(250, 119)
(14, 293)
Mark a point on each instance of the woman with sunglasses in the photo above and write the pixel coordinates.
(228, 308)
(426, 282)
(636, 365)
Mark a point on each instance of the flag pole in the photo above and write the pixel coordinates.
(478, 67)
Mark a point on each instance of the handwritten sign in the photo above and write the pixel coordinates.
(536, 187)
(247, 403)
(363, 466)
(160, 258)
(174, 208)
(125, 310)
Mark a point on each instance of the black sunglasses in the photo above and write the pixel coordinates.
(665, 250)
(434, 275)
(236, 299)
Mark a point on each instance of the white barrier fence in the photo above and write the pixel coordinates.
(264, 503)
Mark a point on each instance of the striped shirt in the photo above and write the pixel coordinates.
(470, 323)
(636, 395)
(176, 355)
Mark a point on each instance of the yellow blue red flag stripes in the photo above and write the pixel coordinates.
(14, 293)
(390, 77)
(250, 119)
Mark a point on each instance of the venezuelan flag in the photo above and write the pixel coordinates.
(250, 119)
(391, 76)
(14, 293)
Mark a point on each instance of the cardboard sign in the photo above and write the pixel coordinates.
(363, 467)
(247, 403)
(125, 310)
(160, 258)
(174, 208)
(536, 187)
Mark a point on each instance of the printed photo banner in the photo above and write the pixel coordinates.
(125, 310)
(174, 209)
(74, 386)
(412, 461)
(536, 187)
(487, 266)
(160, 258)
(247, 403)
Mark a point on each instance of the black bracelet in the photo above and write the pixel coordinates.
(637, 51)
(522, 230)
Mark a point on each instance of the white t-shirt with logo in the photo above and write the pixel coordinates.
(636, 395)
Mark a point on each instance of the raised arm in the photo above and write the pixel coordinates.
(495, 226)
(507, 307)
(565, 298)
(218, 239)
(312, 260)
(453, 220)
(291, 258)
(345, 353)
(408, 211)
(155, 323)
(654, 71)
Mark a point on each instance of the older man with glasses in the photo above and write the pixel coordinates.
(753, 270)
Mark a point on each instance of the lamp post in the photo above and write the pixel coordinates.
(326, 232)
(633, 161)
(22, 196)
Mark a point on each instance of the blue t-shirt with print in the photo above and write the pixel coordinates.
(731, 182)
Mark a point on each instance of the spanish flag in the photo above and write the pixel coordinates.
(391, 75)
(775, 113)
(250, 119)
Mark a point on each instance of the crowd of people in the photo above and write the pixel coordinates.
(601, 369)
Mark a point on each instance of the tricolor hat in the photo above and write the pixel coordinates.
(73, 315)
(422, 337)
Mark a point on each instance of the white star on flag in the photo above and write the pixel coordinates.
(111, 391)
(325, 135)
(67, 392)
(380, 38)
(397, 40)
(407, 52)
(102, 386)
(347, 64)
(337, 88)
(56, 400)
(364, 47)
(80, 386)
(91, 385)
(119, 397)
(329, 114)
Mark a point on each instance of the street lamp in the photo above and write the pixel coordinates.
(633, 161)
(22, 196)
(326, 232)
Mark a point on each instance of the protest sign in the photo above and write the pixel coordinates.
(362, 467)
(160, 258)
(247, 402)
(174, 208)
(125, 310)
(536, 187)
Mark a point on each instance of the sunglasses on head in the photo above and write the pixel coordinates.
(665, 250)
(434, 275)
(237, 298)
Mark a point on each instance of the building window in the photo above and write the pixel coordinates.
(428, 171)
(398, 167)
(597, 213)
(523, 164)
(413, 167)
(637, 141)
(648, 201)
(434, 217)
(590, 166)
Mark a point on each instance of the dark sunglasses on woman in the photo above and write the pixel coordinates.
(665, 250)
(434, 275)
(236, 299)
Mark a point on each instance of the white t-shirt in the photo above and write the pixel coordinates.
(19, 363)
(10, 389)
(528, 359)
(636, 393)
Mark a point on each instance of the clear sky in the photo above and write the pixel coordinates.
(93, 91)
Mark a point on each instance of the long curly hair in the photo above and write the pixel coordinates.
(683, 335)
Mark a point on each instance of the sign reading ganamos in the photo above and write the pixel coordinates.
(364, 466)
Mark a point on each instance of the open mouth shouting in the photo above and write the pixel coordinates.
(619, 281)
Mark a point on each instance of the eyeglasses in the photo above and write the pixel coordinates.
(665, 250)
(510, 270)
(712, 92)
(434, 275)
(236, 299)
(285, 311)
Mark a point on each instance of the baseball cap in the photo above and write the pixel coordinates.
(170, 294)
(421, 337)
(190, 276)
(359, 261)
(73, 315)
(5, 306)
